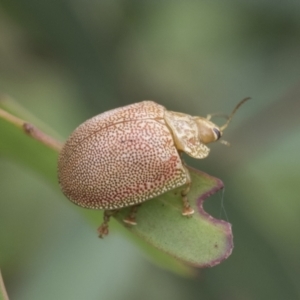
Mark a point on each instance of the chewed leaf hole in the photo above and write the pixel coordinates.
(215, 206)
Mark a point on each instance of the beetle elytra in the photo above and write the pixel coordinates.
(131, 154)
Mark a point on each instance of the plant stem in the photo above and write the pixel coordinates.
(3, 293)
(31, 130)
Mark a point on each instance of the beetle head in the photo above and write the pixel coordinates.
(210, 132)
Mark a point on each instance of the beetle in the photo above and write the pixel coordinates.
(128, 155)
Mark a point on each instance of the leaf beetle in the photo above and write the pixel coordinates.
(131, 154)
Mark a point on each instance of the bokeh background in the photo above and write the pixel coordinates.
(66, 61)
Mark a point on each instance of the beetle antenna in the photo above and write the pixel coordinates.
(233, 112)
(218, 114)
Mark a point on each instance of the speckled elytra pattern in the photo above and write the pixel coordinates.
(120, 158)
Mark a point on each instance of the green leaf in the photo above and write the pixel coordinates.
(200, 240)
(170, 240)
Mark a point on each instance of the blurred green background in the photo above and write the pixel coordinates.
(66, 61)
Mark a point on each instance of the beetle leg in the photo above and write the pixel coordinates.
(132, 215)
(187, 210)
(103, 229)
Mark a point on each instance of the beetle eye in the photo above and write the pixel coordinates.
(217, 132)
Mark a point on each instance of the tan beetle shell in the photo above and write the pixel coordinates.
(121, 158)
